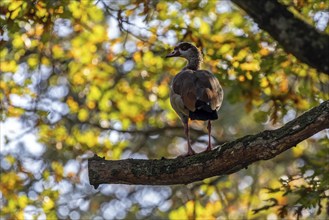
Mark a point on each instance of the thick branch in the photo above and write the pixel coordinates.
(226, 159)
(295, 36)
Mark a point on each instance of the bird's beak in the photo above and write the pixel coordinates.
(175, 53)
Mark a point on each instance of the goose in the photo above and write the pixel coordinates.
(194, 94)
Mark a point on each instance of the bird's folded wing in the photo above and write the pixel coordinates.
(183, 85)
(197, 85)
(208, 89)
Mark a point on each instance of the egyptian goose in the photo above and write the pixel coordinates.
(194, 94)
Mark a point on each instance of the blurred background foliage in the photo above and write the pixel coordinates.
(83, 77)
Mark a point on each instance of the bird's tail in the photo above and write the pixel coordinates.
(203, 112)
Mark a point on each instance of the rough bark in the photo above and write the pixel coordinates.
(295, 36)
(226, 159)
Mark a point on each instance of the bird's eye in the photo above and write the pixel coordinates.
(184, 47)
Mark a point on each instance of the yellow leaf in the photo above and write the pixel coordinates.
(284, 84)
(302, 104)
(41, 12)
(59, 10)
(286, 63)
(15, 13)
(210, 52)
(264, 52)
(91, 104)
(95, 93)
(12, 205)
(179, 213)
(161, 6)
(163, 90)
(95, 14)
(58, 169)
(210, 190)
(11, 159)
(8, 66)
(248, 75)
(225, 48)
(267, 91)
(12, 111)
(10, 180)
(98, 35)
(235, 64)
(204, 28)
(52, 214)
(75, 9)
(250, 66)
(137, 57)
(3, 52)
(47, 204)
(264, 82)
(33, 61)
(83, 115)
(57, 51)
(241, 55)
(46, 174)
(73, 105)
(22, 201)
(217, 38)
(19, 215)
(298, 151)
(14, 5)
(39, 29)
(45, 61)
(18, 41)
(241, 78)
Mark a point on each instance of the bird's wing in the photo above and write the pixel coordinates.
(184, 91)
(208, 89)
(190, 86)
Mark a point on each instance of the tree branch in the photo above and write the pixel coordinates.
(296, 37)
(226, 159)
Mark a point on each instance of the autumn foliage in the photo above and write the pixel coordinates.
(83, 77)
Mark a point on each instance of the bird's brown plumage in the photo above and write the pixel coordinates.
(194, 93)
(193, 85)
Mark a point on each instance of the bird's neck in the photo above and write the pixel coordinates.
(194, 62)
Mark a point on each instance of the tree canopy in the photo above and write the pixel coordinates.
(85, 77)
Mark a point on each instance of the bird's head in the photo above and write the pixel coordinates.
(186, 50)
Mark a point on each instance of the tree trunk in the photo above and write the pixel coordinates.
(295, 36)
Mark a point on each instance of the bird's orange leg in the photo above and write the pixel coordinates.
(190, 151)
(209, 136)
